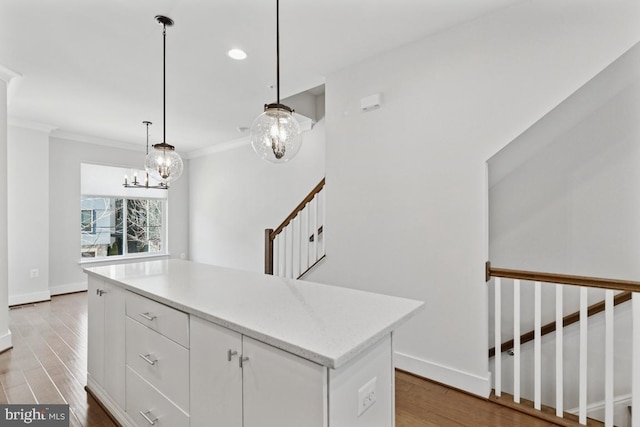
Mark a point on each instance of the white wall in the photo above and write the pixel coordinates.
(5, 333)
(565, 198)
(235, 196)
(565, 195)
(28, 197)
(406, 184)
(64, 189)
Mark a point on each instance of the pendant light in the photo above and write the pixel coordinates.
(136, 183)
(163, 163)
(276, 134)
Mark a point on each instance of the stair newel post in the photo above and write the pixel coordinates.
(268, 251)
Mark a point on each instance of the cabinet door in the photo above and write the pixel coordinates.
(282, 390)
(216, 377)
(95, 328)
(114, 343)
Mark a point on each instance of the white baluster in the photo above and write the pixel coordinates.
(291, 247)
(608, 359)
(314, 213)
(297, 239)
(305, 247)
(322, 221)
(276, 255)
(635, 357)
(516, 341)
(497, 298)
(285, 255)
(582, 394)
(559, 352)
(537, 345)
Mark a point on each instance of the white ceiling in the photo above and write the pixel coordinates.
(94, 67)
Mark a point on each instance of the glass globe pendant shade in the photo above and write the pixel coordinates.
(276, 134)
(163, 163)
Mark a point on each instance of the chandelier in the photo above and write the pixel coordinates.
(275, 134)
(163, 163)
(136, 183)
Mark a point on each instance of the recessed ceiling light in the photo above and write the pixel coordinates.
(237, 54)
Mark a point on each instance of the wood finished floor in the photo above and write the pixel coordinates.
(48, 364)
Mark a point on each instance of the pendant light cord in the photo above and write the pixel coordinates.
(147, 124)
(164, 83)
(278, 50)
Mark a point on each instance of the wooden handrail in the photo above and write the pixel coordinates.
(566, 321)
(563, 279)
(298, 208)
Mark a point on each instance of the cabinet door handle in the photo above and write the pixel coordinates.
(242, 360)
(147, 358)
(147, 316)
(147, 416)
(100, 292)
(230, 354)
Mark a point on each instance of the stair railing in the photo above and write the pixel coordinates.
(626, 290)
(298, 243)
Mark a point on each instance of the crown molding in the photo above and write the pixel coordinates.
(29, 124)
(217, 148)
(69, 136)
(7, 74)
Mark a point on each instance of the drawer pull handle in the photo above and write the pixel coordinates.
(147, 316)
(242, 360)
(230, 354)
(147, 358)
(147, 416)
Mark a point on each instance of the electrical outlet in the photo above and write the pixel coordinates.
(34, 273)
(366, 396)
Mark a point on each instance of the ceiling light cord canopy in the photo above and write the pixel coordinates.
(136, 183)
(275, 134)
(163, 163)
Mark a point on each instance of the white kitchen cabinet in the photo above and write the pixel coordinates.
(270, 388)
(207, 346)
(216, 377)
(281, 389)
(106, 342)
(146, 406)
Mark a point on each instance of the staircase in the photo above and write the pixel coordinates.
(586, 360)
(297, 244)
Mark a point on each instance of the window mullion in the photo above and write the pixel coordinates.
(125, 232)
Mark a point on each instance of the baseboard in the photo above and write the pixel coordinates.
(5, 342)
(29, 298)
(471, 383)
(68, 288)
(624, 399)
(115, 412)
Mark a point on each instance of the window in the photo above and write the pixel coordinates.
(117, 226)
(116, 221)
(87, 219)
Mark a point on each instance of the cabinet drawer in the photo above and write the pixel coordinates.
(160, 361)
(142, 398)
(172, 323)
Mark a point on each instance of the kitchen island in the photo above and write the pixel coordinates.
(175, 343)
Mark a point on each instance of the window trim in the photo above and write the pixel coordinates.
(127, 256)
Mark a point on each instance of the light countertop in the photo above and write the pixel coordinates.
(326, 324)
